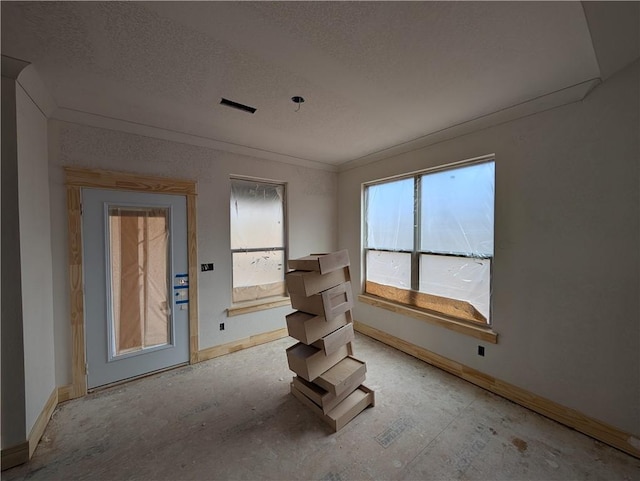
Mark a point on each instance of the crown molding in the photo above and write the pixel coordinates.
(111, 123)
(555, 99)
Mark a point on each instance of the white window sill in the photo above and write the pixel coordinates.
(259, 305)
(485, 333)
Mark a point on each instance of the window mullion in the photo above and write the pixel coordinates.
(415, 254)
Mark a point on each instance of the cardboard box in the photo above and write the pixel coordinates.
(322, 263)
(308, 283)
(331, 342)
(324, 399)
(308, 328)
(309, 362)
(341, 377)
(338, 417)
(330, 303)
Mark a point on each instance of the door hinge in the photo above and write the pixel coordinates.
(86, 368)
(81, 209)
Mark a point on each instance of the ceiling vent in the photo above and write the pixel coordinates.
(236, 105)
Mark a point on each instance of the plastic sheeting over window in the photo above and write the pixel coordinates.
(389, 268)
(390, 215)
(450, 215)
(463, 278)
(257, 275)
(257, 215)
(456, 211)
(139, 273)
(257, 240)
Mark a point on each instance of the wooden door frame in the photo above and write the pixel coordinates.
(77, 178)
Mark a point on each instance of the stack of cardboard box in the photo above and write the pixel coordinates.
(328, 378)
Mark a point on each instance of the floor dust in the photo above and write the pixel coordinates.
(234, 418)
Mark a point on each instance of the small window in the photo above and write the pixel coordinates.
(257, 240)
(429, 240)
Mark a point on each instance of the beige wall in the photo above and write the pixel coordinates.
(311, 204)
(28, 374)
(35, 256)
(566, 270)
(13, 405)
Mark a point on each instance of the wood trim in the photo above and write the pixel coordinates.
(569, 417)
(15, 455)
(258, 306)
(192, 245)
(65, 393)
(75, 179)
(217, 351)
(21, 453)
(41, 423)
(107, 179)
(484, 333)
(76, 293)
(441, 305)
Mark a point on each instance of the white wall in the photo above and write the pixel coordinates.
(13, 403)
(566, 270)
(311, 205)
(35, 256)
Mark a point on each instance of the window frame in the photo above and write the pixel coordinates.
(416, 252)
(246, 306)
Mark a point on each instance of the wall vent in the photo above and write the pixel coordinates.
(236, 105)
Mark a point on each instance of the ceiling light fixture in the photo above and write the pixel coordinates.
(297, 100)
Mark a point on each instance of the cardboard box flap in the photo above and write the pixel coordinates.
(344, 412)
(309, 362)
(338, 378)
(323, 263)
(332, 341)
(308, 283)
(309, 328)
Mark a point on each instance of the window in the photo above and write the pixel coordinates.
(257, 240)
(429, 240)
(138, 261)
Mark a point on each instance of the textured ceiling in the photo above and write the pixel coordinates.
(374, 75)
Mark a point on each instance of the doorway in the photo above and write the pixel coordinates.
(133, 329)
(135, 281)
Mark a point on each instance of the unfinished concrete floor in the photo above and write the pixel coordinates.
(234, 418)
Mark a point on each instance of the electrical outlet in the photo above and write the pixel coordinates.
(481, 351)
(206, 267)
(222, 326)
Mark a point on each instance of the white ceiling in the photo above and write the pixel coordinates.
(374, 75)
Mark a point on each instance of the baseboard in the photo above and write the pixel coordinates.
(23, 452)
(569, 417)
(65, 393)
(15, 455)
(217, 351)
(41, 423)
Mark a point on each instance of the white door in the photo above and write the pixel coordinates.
(135, 283)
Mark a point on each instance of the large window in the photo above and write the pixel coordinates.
(257, 239)
(429, 240)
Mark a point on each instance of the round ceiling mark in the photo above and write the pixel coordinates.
(297, 100)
